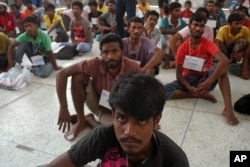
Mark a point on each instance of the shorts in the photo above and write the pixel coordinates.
(193, 80)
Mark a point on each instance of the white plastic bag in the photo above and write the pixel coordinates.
(15, 78)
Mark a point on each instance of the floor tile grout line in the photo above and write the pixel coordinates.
(12, 142)
(20, 97)
(184, 136)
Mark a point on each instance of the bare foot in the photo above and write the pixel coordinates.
(75, 130)
(209, 97)
(90, 118)
(245, 74)
(80, 54)
(168, 66)
(231, 119)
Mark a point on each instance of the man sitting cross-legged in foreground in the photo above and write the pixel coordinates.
(104, 71)
(195, 72)
(137, 102)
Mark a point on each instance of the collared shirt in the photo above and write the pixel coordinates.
(102, 79)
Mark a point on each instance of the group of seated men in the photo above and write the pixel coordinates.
(201, 62)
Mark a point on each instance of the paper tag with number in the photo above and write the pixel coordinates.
(17, 30)
(186, 20)
(37, 60)
(104, 100)
(193, 63)
(94, 21)
(211, 23)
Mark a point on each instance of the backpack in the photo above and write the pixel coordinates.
(243, 105)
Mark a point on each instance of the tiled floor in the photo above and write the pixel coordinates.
(29, 135)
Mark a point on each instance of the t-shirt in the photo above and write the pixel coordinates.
(143, 52)
(103, 9)
(101, 143)
(208, 33)
(80, 32)
(109, 17)
(7, 22)
(4, 43)
(225, 36)
(97, 70)
(185, 14)
(50, 23)
(206, 50)
(41, 45)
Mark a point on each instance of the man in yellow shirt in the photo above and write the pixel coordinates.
(4, 44)
(55, 24)
(144, 6)
(101, 6)
(233, 40)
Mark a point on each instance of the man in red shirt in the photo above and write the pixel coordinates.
(195, 73)
(7, 23)
(187, 13)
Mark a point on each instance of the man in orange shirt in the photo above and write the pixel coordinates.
(30, 8)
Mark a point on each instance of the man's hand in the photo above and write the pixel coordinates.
(194, 91)
(58, 68)
(204, 87)
(148, 31)
(64, 119)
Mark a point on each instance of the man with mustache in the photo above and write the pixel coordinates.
(233, 40)
(141, 49)
(97, 75)
(196, 75)
(137, 102)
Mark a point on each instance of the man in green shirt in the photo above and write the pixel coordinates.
(37, 46)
